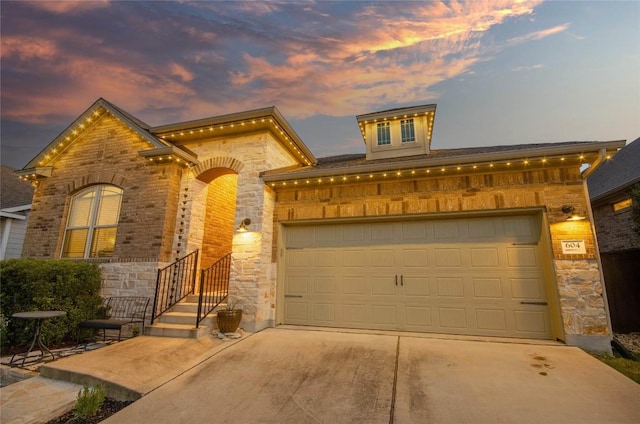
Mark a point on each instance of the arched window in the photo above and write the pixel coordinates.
(92, 223)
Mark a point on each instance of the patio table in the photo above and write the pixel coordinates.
(38, 317)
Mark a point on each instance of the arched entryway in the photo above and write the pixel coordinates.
(220, 209)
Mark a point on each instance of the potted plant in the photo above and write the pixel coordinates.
(229, 319)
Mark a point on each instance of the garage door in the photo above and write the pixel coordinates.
(476, 276)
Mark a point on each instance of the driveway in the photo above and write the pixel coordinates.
(306, 376)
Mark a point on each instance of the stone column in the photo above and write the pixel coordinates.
(251, 286)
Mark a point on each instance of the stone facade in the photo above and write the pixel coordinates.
(253, 282)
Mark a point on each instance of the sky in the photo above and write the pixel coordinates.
(501, 72)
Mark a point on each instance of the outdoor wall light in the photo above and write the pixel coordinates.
(242, 228)
(571, 211)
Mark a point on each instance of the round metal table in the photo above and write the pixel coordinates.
(38, 317)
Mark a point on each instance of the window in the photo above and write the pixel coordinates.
(623, 204)
(408, 131)
(384, 133)
(92, 223)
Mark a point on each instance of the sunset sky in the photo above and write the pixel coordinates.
(501, 72)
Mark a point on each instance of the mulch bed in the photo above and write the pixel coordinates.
(108, 408)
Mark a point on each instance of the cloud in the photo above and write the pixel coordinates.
(389, 56)
(527, 68)
(180, 71)
(206, 58)
(68, 7)
(538, 35)
(25, 48)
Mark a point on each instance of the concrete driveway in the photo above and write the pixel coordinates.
(305, 376)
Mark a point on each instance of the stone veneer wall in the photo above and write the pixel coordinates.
(253, 280)
(582, 308)
(131, 279)
(108, 154)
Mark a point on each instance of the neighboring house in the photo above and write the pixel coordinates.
(463, 241)
(609, 190)
(15, 205)
(611, 201)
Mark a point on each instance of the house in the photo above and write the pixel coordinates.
(15, 205)
(610, 190)
(470, 241)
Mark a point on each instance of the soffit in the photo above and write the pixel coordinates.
(447, 162)
(242, 123)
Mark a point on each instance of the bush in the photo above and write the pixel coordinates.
(89, 402)
(32, 284)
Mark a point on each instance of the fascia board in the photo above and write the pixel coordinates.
(5, 214)
(169, 150)
(18, 208)
(395, 112)
(100, 103)
(214, 120)
(593, 147)
(269, 112)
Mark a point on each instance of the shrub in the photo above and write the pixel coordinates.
(32, 284)
(89, 402)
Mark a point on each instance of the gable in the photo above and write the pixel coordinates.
(82, 127)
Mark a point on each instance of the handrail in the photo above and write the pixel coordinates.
(214, 287)
(174, 283)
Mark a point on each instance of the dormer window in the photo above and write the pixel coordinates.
(396, 133)
(384, 133)
(408, 130)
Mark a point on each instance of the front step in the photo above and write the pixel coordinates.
(180, 321)
(161, 329)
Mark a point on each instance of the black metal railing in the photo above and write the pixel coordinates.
(174, 283)
(214, 287)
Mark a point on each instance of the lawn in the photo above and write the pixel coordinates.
(628, 367)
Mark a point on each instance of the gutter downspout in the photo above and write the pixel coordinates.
(602, 156)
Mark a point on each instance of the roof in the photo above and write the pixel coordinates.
(158, 137)
(240, 122)
(15, 192)
(617, 174)
(357, 163)
(399, 113)
(83, 123)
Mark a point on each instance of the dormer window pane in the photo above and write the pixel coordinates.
(408, 130)
(384, 133)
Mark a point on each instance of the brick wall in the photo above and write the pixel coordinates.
(614, 229)
(108, 154)
(219, 219)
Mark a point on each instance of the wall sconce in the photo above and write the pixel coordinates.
(571, 211)
(242, 228)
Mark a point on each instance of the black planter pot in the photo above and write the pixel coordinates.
(229, 321)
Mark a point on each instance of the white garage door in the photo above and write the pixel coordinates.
(478, 276)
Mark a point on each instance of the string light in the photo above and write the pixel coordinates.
(443, 171)
(244, 123)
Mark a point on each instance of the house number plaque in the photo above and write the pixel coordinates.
(573, 247)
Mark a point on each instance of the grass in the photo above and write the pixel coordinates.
(628, 367)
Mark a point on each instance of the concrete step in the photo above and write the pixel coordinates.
(177, 330)
(185, 307)
(186, 318)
